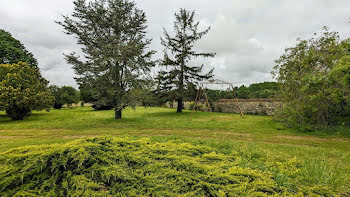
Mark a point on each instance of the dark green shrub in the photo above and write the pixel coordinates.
(64, 95)
(17, 112)
(101, 107)
(57, 106)
(69, 95)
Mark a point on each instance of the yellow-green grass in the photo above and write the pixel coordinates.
(325, 156)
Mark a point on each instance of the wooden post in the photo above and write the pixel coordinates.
(195, 102)
(199, 97)
(201, 87)
(206, 98)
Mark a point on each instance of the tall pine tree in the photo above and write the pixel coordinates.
(179, 75)
(112, 33)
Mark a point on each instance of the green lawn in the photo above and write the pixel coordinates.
(322, 158)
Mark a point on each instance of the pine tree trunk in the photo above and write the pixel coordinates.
(181, 87)
(118, 114)
(179, 105)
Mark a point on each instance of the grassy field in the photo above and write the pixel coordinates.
(322, 158)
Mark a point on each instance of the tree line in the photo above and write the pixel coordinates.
(114, 71)
(20, 61)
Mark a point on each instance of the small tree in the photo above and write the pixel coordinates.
(56, 92)
(179, 74)
(69, 95)
(112, 33)
(64, 95)
(22, 90)
(314, 77)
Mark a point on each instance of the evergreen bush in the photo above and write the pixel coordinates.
(106, 166)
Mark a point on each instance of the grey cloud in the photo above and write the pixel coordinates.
(246, 35)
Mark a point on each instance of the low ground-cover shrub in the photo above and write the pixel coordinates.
(107, 166)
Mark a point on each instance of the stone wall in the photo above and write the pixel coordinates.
(248, 106)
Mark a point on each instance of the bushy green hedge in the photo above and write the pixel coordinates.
(107, 166)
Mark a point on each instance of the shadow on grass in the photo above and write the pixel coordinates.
(142, 119)
(172, 114)
(33, 117)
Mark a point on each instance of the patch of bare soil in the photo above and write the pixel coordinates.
(78, 136)
(308, 138)
(7, 137)
(151, 135)
(18, 130)
(148, 129)
(30, 130)
(286, 144)
(233, 133)
(300, 138)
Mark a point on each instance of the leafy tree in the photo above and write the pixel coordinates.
(69, 95)
(22, 90)
(112, 33)
(12, 51)
(315, 81)
(56, 92)
(180, 75)
(64, 95)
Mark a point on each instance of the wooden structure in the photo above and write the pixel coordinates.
(202, 93)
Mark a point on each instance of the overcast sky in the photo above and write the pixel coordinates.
(247, 35)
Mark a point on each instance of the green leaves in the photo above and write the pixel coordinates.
(178, 51)
(13, 51)
(113, 36)
(22, 89)
(107, 166)
(314, 76)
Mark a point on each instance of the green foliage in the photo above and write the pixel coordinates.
(145, 95)
(100, 100)
(107, 166)
(260, 141)
(113, 36)
(12, 51)
(69, 95)
(256, 90)
(56, 92)
(86, 93)
(64, 95)
(21, 90)
(178, 51)
(262, 90)
(315, 82)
